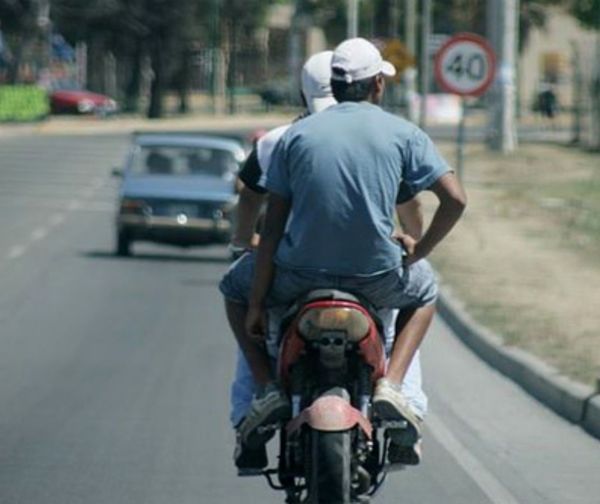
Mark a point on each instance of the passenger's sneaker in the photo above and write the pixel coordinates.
(249, 461)
(270, 407)
(389, 404)
(405, 455)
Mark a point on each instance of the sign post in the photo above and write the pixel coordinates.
(465, 66)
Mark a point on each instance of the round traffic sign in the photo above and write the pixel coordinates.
(465, 65)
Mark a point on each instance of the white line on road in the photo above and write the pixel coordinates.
(57, 220)
(16, 252)
(485, 480)
(39, 234)
(74, 205)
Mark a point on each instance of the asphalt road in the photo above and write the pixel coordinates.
(114, 373)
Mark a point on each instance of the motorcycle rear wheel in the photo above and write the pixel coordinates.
(330, 474)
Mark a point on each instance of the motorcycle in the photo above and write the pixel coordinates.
(333, 450)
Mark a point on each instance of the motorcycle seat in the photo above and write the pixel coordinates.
(328, 294)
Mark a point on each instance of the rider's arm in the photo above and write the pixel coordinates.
(252, 196)
(278, 209)
(410, 216)
(248, 210)
(279, 185)
(425, 169)
(452, 202)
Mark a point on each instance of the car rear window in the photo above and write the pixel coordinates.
(170, 160)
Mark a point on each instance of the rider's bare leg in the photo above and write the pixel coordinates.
(411, 326)
(256, 355)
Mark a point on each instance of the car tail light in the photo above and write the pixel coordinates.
(137, 207)
(349, 320)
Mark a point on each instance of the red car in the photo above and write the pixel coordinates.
(69, 99)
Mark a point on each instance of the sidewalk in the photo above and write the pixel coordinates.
(91, 125)
(520, 273)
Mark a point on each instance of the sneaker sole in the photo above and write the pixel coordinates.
(254, 439)
(408, 456)
(245, 473)
(385, 410)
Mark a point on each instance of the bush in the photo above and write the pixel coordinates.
(23, 103)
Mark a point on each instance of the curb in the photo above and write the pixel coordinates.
(591, 421)
(127, 124)
(572, 400)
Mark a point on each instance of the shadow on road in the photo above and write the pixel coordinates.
(158, 257)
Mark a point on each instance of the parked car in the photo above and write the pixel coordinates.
(177, 189)
(66, 97)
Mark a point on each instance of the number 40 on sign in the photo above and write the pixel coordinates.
(465, 65)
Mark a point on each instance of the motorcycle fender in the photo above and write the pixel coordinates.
(330, 413)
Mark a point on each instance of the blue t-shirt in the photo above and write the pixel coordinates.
(342, 169)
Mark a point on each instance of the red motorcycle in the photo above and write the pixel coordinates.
(333, 450)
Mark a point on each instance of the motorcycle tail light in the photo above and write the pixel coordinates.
(349, 320)
(132, 206)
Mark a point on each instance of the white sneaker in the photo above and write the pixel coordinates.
(271, 407)
(389, 404)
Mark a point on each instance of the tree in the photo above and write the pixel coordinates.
(587, 12)
(130, 29)
(18, 20)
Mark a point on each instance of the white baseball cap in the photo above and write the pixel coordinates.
(356, 59)
(316, 82)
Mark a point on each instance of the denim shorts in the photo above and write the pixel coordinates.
(403, 288)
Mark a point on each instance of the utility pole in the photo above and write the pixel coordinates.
(425, 35)
(502, 134)
(45, 25)
(296, 50)
(218, 78)
(394, 27)
(352, 18)
(410, 75)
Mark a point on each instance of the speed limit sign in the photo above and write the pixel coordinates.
(465, 65)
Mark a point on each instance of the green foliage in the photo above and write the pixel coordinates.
(17, 15)
(23, 103)
(587, 12)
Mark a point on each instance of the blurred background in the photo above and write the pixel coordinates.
(164, 57)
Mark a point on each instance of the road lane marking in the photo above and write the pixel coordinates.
(485, 480)
(57, 220)
(39, 234)
(16, 252)
(74, 205)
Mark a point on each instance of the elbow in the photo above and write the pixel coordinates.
(456, 203)
(461, 201)
(459, 198)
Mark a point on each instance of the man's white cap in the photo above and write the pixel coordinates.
(316, 82)
(356, 59)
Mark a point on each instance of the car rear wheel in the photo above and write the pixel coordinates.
(123, 244)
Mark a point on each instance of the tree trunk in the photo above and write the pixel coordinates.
(183, 80)
(132, 89)
(15, 62)
(157, 87)
(95, 63)
(232, 66)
